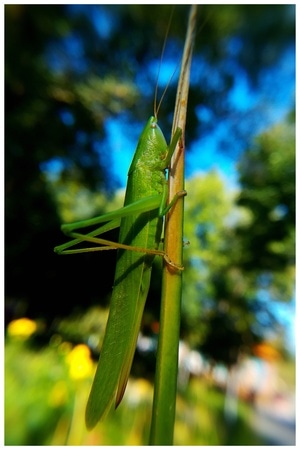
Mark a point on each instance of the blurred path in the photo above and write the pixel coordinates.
(275, 421)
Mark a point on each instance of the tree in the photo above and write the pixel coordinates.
(217, 316)
(267, 177)
(241, 259)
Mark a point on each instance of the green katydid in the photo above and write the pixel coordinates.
(140, 221)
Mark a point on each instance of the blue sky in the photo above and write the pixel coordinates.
(272, 99)
(275, 96)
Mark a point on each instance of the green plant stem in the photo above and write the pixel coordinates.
(165, 387)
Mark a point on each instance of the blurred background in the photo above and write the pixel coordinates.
(79, 87)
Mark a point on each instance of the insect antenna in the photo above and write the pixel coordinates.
(156, 106)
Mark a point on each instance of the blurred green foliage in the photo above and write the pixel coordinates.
(44, 405)
(267, 177)
(36, 398)
(242, 251)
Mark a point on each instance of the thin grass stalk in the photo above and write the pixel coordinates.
(165, 387)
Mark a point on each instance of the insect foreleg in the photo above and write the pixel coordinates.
(172, 146)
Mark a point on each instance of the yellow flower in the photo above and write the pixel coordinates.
(80, 362)
(21, 327)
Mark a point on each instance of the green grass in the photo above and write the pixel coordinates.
(200, 418)
(44, 405)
